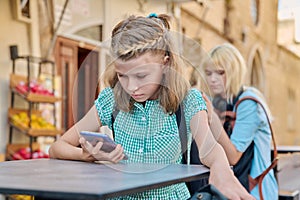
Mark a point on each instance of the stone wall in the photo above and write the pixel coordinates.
(278, 69)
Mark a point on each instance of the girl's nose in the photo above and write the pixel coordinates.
(214, 77)
(132, 85)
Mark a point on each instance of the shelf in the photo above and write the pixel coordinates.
(35, 132)
(12, 148)
(19, 197)
(36, 98)
(29, 96)
(29, 121)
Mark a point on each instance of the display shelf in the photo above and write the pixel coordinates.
(36, 132)
(31, 89)
(19, 197)
(29, 96)
(22, 127)
(13, 148)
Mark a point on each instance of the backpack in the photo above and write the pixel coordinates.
(242, 168)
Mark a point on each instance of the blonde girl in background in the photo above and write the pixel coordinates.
(223, 79)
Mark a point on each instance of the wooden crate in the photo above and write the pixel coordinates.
(12, 148)
(31, 131)
(29, 96)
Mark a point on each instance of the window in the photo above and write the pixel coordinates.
(93, 33)
(23, 10)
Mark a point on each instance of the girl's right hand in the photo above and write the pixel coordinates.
(95, 152)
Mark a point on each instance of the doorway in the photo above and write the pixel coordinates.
(78, 67)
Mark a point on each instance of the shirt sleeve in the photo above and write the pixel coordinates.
(246, 125)
(193, 103)
(104, 105)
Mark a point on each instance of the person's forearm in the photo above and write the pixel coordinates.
(217, 162)
(67, 147)
(216, 127)
(222, 138)
(214, 154)
(62, 150)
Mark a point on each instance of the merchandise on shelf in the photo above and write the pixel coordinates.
(30, 120)
(34, 87)
(37, 122)
(25, 153)
(37, 92)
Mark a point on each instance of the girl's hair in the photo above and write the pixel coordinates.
(136, 36)
(227, 57)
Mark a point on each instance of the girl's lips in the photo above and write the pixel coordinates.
(136, 96)
(215, 87)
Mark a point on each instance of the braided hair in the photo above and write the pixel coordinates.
(136, 36)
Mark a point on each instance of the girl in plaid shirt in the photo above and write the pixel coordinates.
(146, 84)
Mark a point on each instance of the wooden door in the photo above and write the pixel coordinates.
(78, 69)
(87, 80)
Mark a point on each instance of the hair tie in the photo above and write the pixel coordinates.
(152, 15)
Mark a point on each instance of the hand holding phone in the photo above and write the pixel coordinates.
(95, 137)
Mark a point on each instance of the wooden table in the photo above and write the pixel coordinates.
(61, 179)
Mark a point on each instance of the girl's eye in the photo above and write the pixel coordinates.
(141, 76)
(208, 73)
(221, 72)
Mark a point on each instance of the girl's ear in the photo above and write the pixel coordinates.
(166, 60)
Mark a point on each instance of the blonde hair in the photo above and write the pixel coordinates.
(227, 57)
(136, 36)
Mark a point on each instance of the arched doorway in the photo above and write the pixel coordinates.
(256, 72)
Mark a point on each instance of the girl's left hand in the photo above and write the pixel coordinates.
(95, 151)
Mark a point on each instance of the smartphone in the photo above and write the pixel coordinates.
(94, 137)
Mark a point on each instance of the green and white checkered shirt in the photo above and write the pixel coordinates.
(148, 135)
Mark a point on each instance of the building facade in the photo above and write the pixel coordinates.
(75, 33)
(252, 26)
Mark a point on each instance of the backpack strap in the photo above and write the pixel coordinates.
(258, 180)
(113, 118)
(180, 119)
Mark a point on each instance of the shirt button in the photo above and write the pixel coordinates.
(143, 118)
(141, 150)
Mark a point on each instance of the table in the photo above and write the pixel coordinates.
(289, 175)
(288, 149)
(284, 149)
(61, 179)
